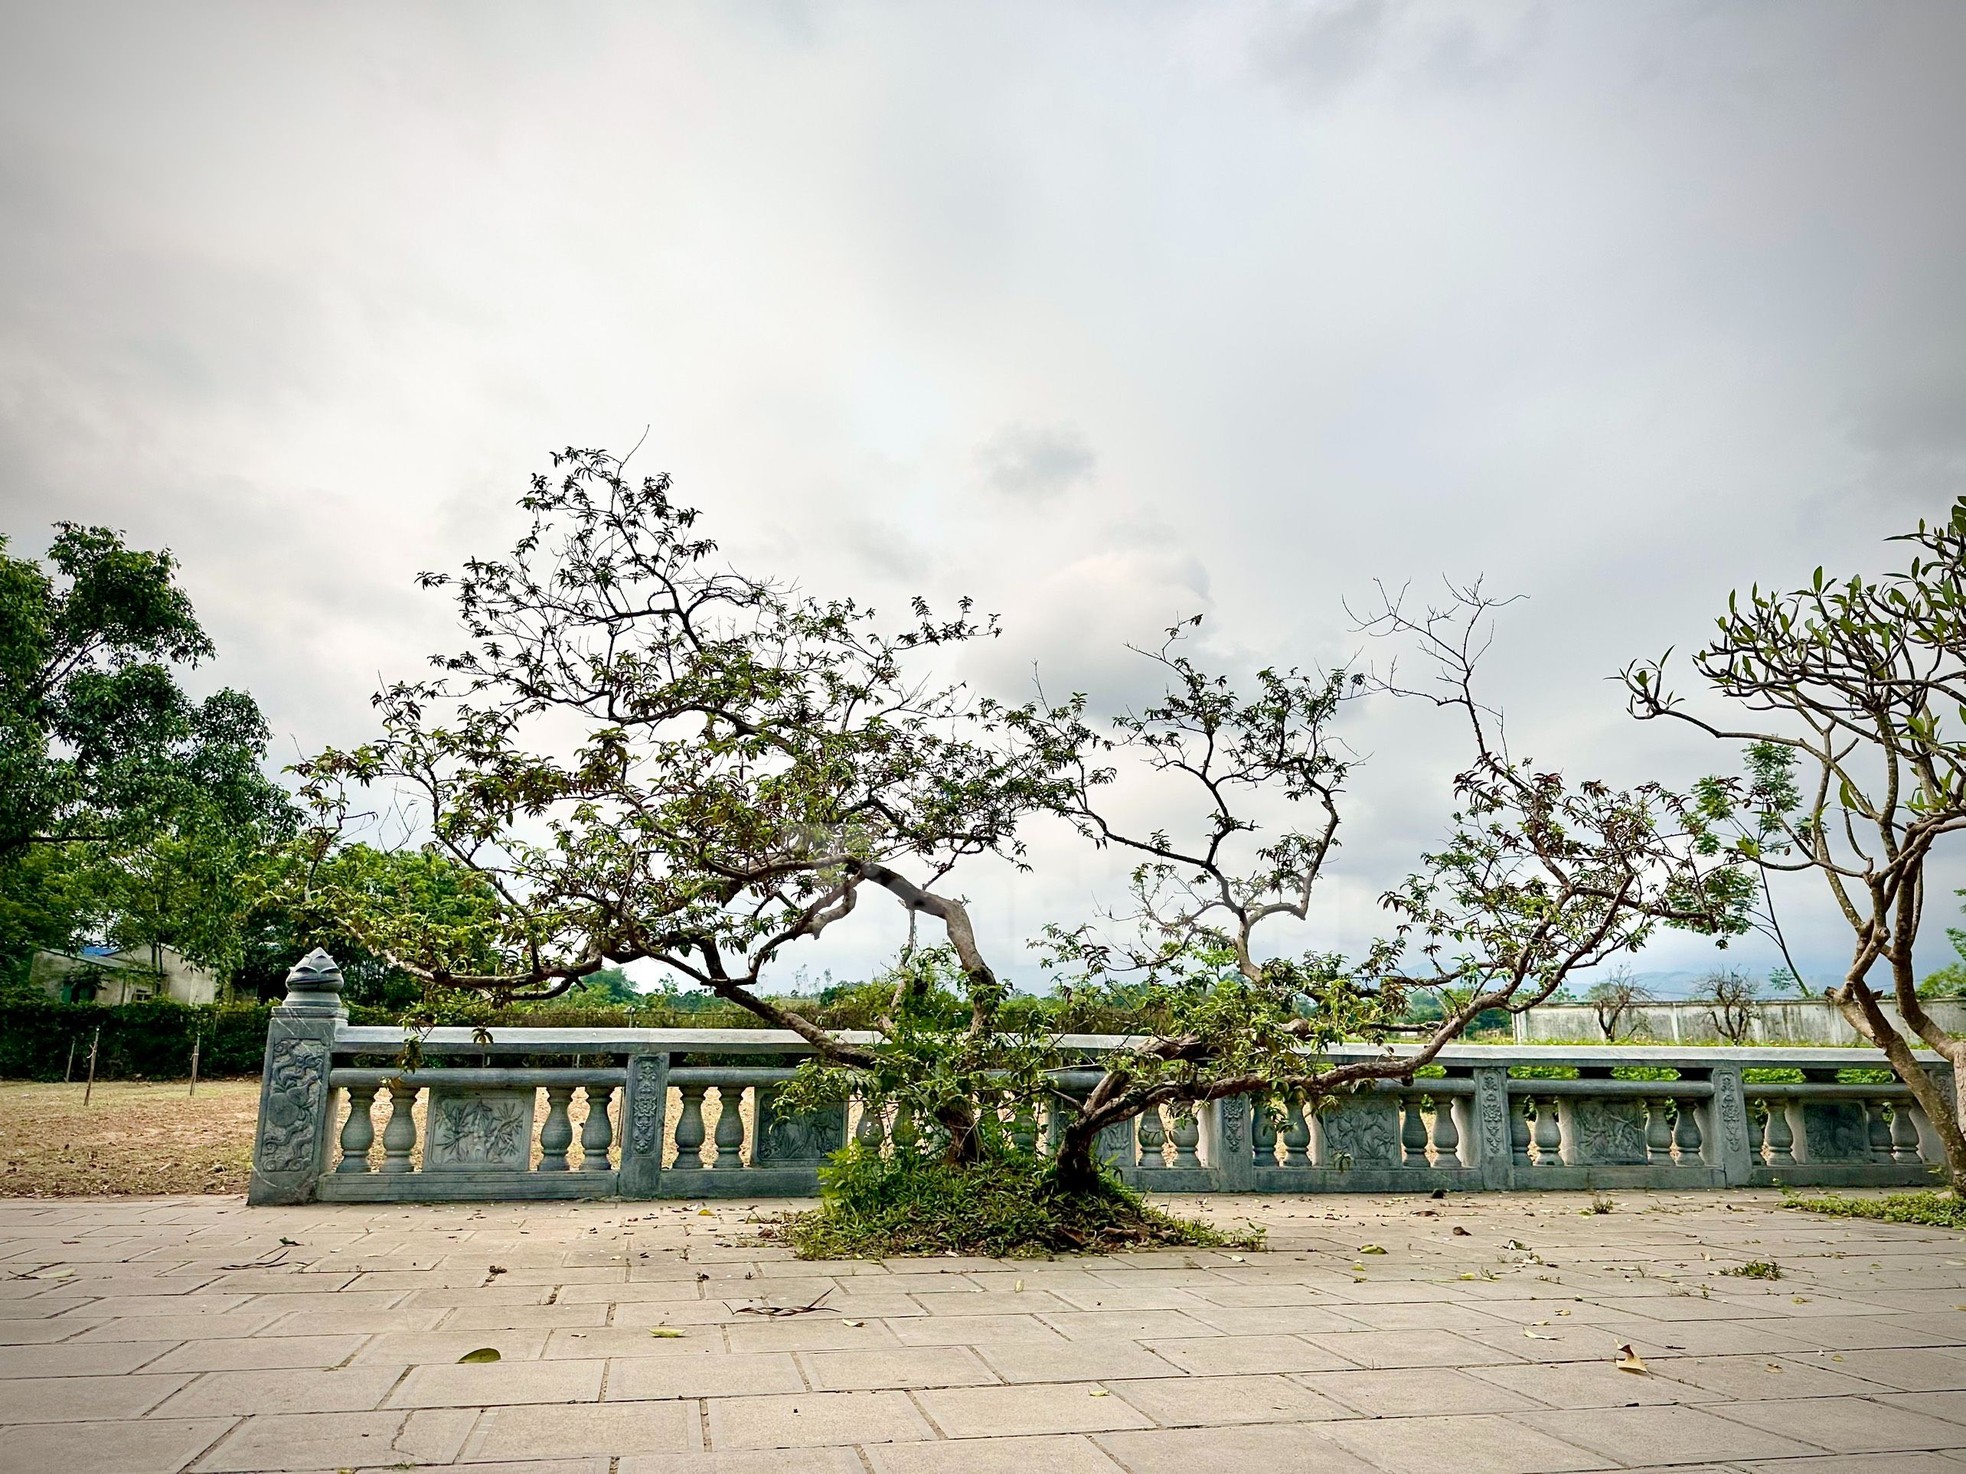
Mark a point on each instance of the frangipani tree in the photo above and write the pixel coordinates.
(1850, 697)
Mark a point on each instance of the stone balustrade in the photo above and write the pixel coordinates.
(645, 1113)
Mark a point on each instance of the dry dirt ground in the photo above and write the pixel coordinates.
(153, 1336)
(131, 1137)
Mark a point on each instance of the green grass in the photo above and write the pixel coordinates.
(876, 1207)
(1756, 1269)
(1934, 1209)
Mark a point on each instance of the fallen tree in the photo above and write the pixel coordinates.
(642, 755)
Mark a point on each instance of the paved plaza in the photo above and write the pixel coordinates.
(1390, 1334)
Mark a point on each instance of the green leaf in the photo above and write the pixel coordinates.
(482, 1354)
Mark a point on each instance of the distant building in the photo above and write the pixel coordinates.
(102, 975)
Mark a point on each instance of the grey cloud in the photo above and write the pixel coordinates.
(1623, 306)
(1036, 462)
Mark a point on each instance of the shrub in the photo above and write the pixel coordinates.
(1002, 1207)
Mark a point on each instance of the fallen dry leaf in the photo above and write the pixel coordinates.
(1630, 1361)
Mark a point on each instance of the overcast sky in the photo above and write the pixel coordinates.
(1105, 314)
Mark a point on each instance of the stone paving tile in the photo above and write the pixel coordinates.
(550, 1431)
(1126, 1325)
(912, 1366)
(1264, 1447)
(85, 1399)
(492, 1383)
(1477, 1444)
(1755, 1377)
(1590, 1385)
(1224, 1355)
(261, 1352)
(974, 1330)
(1374, 1349)
(737, 1461)
(812, 1419)
(744, 1374)
(72, 1359)
(154, 1446)
(1198, 1402)
(1410, 1391)
(1057, 1454)
(443, 1348)
(1058, 1407)
(235, 1394)
(1074, 1361)
(1851, 1425)
(282, 1441)
(1892, 1463)
(1653, 1435)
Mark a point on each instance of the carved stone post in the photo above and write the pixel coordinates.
(642, 1112)
(1225, 1142)
(290, 1146)
(1491, 1114)
(1729, 1145)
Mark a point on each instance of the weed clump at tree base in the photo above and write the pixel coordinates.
(1006, 1207)
(1934, 1209)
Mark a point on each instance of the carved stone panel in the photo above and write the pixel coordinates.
(1360, 1131)
(1607, 1133)
(1834, 1131)
(479, 1131)
(785, 1140)
(293, 1105)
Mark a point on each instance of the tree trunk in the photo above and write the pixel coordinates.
(1074, 1169)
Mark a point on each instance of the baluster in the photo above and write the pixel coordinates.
(1904, 1134)
(557, 1134)
(1658, 1131)
(1152, 1134)
(1186, 1135)
(358, 1131)
(1686, 1132)
(689, 1129)
(1413, 1131)
(904, 1135)
(1549, 1135)
(399, 1135)
(1023, 1128)
(597, 1131)
(869, 1133)
(1447, 1135)
(1880, 1131)
(1296, 1133)
(1781, 1136)
(730, 1128)
(1519, 1130)
(1263, 1131)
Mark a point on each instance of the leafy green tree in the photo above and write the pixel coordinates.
(296, 897)
(1850, 698)
(125, 804)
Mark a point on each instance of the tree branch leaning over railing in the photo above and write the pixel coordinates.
(1540, 879)
(1856, 764)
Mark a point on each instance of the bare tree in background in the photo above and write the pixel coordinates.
(1731, 998)
(1619, 1002)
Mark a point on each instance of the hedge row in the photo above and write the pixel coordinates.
(139, 1041)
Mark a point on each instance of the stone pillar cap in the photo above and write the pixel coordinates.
(314, 985)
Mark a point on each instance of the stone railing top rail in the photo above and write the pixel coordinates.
(373, 1039)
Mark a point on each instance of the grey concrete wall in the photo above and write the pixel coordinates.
(1783, 1021)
